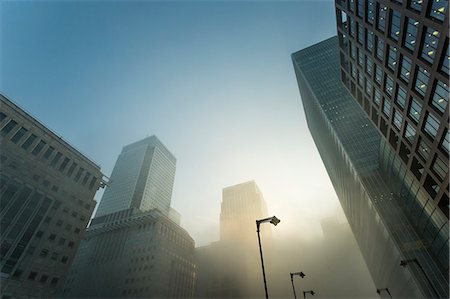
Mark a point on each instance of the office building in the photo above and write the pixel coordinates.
(231, 267)
(46, 189)
(142, 177)
(361, 164)
(134, 246)
(241, 206)
(133, 254)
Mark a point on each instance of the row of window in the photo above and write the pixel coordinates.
(44, 278)
(56, 158)
(435, 10)
(431, 124)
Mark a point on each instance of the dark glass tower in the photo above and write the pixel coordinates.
(360, 162)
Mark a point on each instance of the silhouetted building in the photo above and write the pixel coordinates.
(46, 189)
(382, 212)
(134, 246)
(241, 206)
(231, 268)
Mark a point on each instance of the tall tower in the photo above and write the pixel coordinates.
(383, 205)
(142, 178)
(242, 205)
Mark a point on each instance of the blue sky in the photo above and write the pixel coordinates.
(212, 79)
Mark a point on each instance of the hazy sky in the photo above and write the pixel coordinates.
(212, 79)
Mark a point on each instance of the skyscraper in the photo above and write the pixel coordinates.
(134, 246)
(142, 178)
(241, 206)
(359, 161)
(47, 190)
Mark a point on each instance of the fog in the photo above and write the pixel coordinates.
(332, 263)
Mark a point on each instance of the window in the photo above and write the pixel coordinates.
(440, 167)
(94, 179)
(56, 159)
(86, 178)
(2, 116)
(415, 5)
(411, 34)
(380, 49)
(438, 9)
(381, 22)
(32, 275)
(395, 25)
(388, 85)
(19, 134)
(440, 96)
(400, 99)
(398, 118)
(414, 110)
(445, 142)
(360, 34)
(54, 280)
(64, 259)
(360, 8)
(71, 169)
(8, 127)
(368, 87)
(64, 164)
(370, 11)
(43, 278)
(410, 133)
(431, 125)
(52, 237)
(392, 58)
(71, 244)
(353, 51)
(360, 80)
(78, 175)
(48, 152)
(422, 77)
(386, 107)
(377, 97)
(352, 27)
(378, 74)
(29, 141)
(405, 70)
(369, 40)
(37, 149)
(424, 149)
(44, 253)
(360, 58)
(430, 43)
(369, 68)
(444, 65)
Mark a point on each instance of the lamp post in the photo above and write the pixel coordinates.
(274, 220)
(385, 289)
(308, 292)
(301, 274)
(403, 263)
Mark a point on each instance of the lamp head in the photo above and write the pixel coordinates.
(274, 220)
(403, 263)
(312, 293)
(378, 291)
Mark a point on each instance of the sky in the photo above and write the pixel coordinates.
(212, 79)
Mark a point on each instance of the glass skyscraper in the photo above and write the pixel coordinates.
(359, 162)
(142, 178)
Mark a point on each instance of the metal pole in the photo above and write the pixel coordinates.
(293, 287)
(262, 260)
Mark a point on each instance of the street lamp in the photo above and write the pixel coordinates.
(274, 220)
(308, 292)
(385, 289)
(403, 263)
(301, 274)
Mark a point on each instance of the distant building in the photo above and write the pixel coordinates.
(231, 268)
(241, 206)
(142, 178)
(133, 254)
(134, 246)
(390, 220)
(46, 189)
